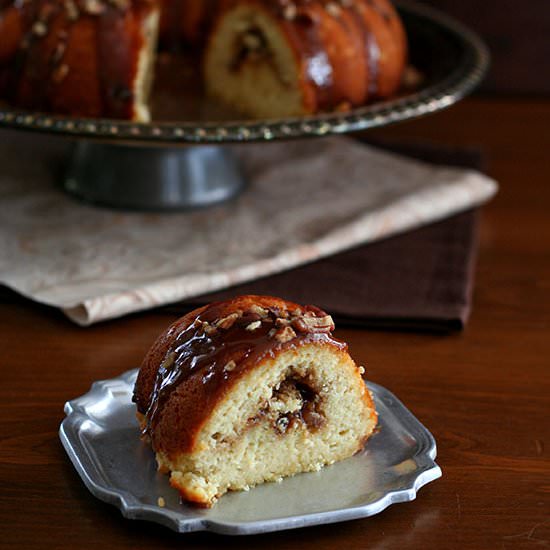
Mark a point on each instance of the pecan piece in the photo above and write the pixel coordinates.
(227, 322)
(253, 326)
(258, 310)
(284, 334)
(206, 327)
(309, 323)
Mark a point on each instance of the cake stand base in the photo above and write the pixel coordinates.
(152, 178)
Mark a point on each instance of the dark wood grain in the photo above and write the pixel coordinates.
(483, 393)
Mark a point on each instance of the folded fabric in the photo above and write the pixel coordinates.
(307, 200)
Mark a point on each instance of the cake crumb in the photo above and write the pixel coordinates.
(161, 502)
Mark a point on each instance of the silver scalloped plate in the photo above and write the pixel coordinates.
(452, 59)
(101, 437)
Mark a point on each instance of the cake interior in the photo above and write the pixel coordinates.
(146, 66)
(250, 66)
(294, 413)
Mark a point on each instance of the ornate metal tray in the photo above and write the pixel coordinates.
(451, 59)
(101, 437)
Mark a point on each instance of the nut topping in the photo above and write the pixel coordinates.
(284, 334)
(208, 328)
(309, 323)
(253, 326)
(227, 322)
(258, 310)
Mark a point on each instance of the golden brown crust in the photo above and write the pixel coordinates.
(75, 57)
(200, 357)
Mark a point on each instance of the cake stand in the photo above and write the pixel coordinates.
(183, 158)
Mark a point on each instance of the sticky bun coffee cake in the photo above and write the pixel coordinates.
(247, 391)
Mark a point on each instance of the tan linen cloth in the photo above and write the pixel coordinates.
(306, 200)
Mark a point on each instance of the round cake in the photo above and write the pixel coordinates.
(263, 58)
(250, 390)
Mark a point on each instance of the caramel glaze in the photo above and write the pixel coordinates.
(193, 364)
(327, 38)
(75, 57)
(361, 28)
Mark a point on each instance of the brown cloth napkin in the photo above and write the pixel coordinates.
(419, 281)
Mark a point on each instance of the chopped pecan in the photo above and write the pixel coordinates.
(309, 323)
(279, 312)
(284, 334)
(227, 322)
(253, 326)
(206, 327)
(258, 310)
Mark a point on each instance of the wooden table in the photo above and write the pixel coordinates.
(484, 393)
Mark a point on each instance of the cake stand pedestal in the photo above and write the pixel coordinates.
(152, 178)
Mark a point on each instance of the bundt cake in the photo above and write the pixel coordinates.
(264, 58)
(250, 390)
